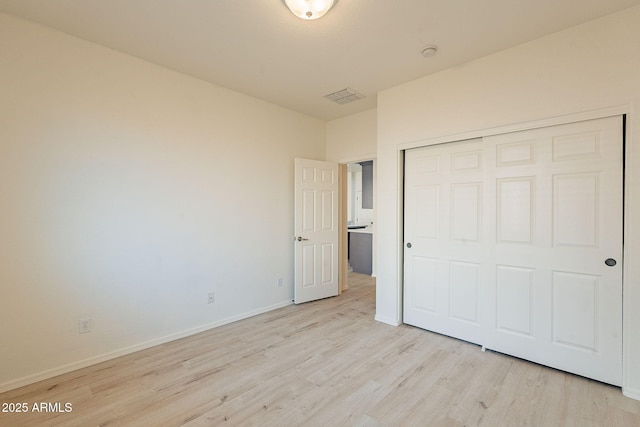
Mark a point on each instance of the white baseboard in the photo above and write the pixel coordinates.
(387, 320)
(631, 393)
(70, 367)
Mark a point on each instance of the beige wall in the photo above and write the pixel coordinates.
(595, 66)
(128, 192)
(352, 138)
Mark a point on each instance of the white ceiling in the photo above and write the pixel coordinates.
(259, 48)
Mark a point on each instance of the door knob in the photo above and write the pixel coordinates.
(610, 262)
(409, 245)
(300, 239)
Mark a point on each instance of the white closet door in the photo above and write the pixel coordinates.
(446, 239)
(510, 239)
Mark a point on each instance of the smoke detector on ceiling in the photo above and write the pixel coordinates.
(429, 51)
(344, 96)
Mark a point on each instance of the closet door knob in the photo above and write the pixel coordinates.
(409, 245)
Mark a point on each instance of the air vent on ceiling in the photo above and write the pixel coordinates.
(344, 96)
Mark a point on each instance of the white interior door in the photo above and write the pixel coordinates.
(511, 239)
(316, 230)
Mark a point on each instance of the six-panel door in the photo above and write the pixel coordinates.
(509, 236)
(316, 230)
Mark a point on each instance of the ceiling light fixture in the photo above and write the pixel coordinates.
(309, 9)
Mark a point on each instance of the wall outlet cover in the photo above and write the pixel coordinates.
(84, 325)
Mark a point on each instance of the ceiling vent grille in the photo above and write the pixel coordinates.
(344, 96)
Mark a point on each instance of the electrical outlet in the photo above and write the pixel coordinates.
(211, 298)
(84, 325)
(280, 282)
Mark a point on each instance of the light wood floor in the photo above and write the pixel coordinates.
(325, 363)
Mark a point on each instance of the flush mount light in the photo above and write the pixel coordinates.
(309, 9)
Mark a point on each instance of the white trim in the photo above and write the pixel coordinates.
(617, 110)
(357, 159)
(44, 375)
(628, 252)
(387, 320)
(631, 393)
(400, 234)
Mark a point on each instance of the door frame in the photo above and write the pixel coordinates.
(619, 110)
(343, 249)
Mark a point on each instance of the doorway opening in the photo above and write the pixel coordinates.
(358, 218)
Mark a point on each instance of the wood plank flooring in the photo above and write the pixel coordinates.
(325, 363)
